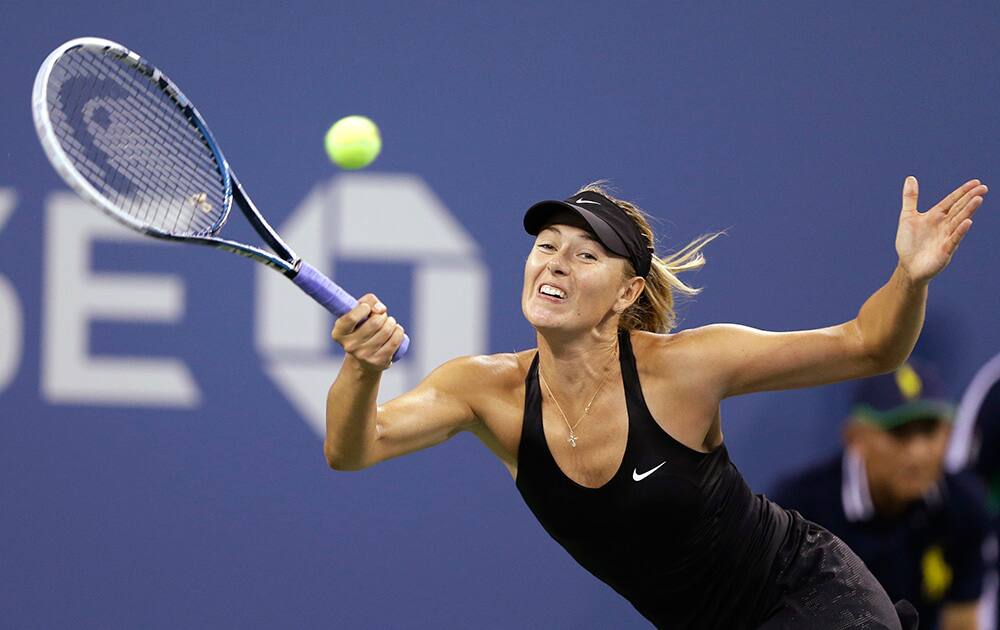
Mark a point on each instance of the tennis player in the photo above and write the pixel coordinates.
(611, 427)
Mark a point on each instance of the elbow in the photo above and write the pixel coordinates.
(893, 362)
(886, 359)
(878, 362)
(337, 461)
(877, 358)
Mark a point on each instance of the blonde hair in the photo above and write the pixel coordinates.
(654, 310)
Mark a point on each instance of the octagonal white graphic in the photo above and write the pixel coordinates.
(372, 217)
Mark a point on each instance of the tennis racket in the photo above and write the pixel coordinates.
(127, 140)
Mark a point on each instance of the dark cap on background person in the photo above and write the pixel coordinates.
(913, 391)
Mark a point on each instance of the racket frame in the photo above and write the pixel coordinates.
(285, 259)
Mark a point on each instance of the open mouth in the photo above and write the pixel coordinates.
(553, 292)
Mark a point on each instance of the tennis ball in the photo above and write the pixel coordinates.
(353, 142)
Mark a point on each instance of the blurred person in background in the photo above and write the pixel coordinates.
(974, 447)
(920, 530)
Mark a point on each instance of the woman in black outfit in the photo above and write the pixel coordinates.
(611, 427)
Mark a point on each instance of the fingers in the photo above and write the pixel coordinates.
(910, 191)
(960, 211)
(376, 304)
(956, 196)
(956, 237)
(956, 219)
(383, 345)
(966, 207)
(368, 333)
(366, 306)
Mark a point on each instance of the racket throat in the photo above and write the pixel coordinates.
(263, 228)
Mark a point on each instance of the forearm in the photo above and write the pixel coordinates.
(351, 410)
(889, 322)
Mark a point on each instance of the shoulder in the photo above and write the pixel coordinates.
(680, 338)
(965, 486)
(966, 499)
(684, 356)
(657, 348)
(690, 341)
(492, 386)
(469, 373)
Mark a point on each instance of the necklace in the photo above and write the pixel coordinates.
(586, 410)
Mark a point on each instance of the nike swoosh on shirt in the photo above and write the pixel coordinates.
(637, 477)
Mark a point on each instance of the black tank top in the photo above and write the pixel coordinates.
(675, 531)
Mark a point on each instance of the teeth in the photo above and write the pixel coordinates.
(548, 289)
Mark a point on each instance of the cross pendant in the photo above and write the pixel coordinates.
(572, 440)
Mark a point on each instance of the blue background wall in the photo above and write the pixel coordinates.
(792, 127)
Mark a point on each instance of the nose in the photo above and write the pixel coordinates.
(920, 449)
(557, 266)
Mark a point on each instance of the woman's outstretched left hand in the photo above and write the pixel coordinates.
(926, 241)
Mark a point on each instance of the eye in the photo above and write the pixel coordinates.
(546, 246)
(588, 256)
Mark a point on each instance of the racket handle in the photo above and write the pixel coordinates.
(332, 297)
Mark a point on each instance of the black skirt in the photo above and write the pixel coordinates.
(826, 586)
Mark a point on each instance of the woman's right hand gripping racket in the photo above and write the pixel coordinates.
(128, 141)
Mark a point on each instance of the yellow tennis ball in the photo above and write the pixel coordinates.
(353, 142)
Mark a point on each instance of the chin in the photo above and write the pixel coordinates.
(539, 316)
(547, 321)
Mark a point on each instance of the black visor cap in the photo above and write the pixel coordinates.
(609, 223)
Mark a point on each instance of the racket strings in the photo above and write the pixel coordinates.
(134, 145)
(161, 172)
(145, 155)
(146, 208)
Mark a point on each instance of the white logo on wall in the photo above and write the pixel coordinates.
(11, 319)
(76, 295)
(372, 217)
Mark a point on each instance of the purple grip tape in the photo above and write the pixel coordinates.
(332, 297)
